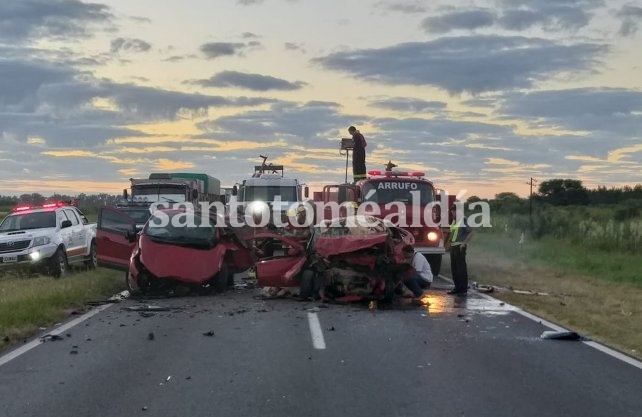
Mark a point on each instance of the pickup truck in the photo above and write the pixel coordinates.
(47, 239)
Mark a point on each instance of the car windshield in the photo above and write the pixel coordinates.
(27, 221)
(184, 229)
(269, 193)
(384, 192)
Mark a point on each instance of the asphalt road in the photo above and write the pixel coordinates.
(469, 358)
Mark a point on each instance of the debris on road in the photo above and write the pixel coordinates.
(150, 308)
(529, 292)
(51, 338)
(123, 295)
(486, 289)
(150, 336)
(563, 335)
(209, 334)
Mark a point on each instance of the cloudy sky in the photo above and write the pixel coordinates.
(481, 95)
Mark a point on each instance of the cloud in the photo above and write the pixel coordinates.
(594, 110)
(311, 122)
(29, 20)
(57, 103)
(248, 2)
(291, 46)
(255, 82)
(408, 104)
(466, 19)
(406, 7)
(249, 35)
(468, 64)
(551, 15)
(129, 45)
(214, 50)
(630, 17)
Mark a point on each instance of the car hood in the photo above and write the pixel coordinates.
(190, 265)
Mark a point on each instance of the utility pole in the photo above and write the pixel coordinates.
(530, 203)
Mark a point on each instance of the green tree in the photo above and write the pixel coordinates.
(563, 192)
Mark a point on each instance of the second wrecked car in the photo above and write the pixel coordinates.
(346, 259)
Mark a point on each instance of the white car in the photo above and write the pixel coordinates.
(47, 239)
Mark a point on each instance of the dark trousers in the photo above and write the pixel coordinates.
(458, 268)
(359, 164)
(416, 284)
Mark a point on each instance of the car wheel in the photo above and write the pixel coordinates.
(306, 287)
(58, 264)
(92, 261)
(435, 264)
(221, 279)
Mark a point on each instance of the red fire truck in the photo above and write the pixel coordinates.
(402, 197)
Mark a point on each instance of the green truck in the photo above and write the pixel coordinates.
(176, 188)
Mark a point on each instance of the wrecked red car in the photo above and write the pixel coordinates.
(356, 258)
(170, 250)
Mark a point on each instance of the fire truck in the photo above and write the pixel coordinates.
(404, 198)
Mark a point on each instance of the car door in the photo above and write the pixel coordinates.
(77, 247)
(115, 238)
(66, 235)
(280, 271)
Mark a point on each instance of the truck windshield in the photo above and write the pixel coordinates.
(159, 193)
(269, 193)
(384, 192)
(26, 221)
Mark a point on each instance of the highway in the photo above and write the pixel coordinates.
(237, 354)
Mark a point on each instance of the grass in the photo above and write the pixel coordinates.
(595, 293)
(26, 304)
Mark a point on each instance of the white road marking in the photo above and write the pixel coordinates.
(315, 330)
(604, 349)
(34, 343)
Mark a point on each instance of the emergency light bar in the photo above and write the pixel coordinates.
(397, 173)
(44, 206)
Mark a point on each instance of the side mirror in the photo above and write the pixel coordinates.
(306, 192)
(125, 195)
(130, 235)
(195, 194)
(235, 190)
(65, 224)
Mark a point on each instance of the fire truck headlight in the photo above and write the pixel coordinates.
(433, 236)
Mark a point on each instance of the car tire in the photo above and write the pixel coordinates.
(221, 279)
(306, 287)
(92, 261)
(58, 264)
(435, 263)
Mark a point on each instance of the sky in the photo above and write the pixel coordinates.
(479, 95)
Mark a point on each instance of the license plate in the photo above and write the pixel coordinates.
(9, 259)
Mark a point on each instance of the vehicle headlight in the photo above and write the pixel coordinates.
(432, 236)
(34, 256)
(41, 240)
(257, 207)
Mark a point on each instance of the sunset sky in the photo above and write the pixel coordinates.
(481, 95)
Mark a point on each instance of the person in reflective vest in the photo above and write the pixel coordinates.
(460, 235)
(358, 154)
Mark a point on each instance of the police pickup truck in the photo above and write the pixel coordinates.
(47, 239)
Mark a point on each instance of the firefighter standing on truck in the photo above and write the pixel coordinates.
(358, 154)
